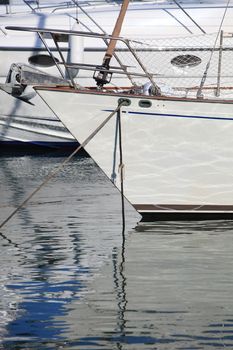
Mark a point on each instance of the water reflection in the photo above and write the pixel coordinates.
(120, 282)
(71, 280)
(51, 252)
(171, 289)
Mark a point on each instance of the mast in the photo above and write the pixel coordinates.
(104, 76)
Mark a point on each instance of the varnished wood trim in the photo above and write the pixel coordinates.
(122, 94)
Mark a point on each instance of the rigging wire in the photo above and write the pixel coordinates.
(186, 13)
(199, 92)
(123, 67)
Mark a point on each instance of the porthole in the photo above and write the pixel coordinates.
(42, 61)
(145, 103)
(186, 61)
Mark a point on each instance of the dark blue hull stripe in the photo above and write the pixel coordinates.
(173, 115)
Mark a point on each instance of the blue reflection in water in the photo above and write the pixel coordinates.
(70, 280)
(44, 299)
(54, 245)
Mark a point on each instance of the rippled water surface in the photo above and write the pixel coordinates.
(70, 280)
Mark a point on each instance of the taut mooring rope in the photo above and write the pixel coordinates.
(53, 173)
(121, 170)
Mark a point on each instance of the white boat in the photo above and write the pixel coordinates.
(24, 119)
(175, 148)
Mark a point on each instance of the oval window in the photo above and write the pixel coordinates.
(145, 103)
(42, 60)
(186, 61)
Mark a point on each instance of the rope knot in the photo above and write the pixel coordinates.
(121, 170)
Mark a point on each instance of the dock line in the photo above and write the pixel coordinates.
(53, 173)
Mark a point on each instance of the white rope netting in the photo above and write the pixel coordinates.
(180, 62)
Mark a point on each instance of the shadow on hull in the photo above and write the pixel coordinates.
(17, 148)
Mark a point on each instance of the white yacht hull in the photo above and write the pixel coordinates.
(177, 153)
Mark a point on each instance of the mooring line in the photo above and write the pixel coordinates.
(53, 173)
(121, 171)
(9, 240)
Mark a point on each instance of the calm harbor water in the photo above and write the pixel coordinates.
(70, 281)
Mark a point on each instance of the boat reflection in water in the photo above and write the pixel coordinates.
(169, 287)
(52, 247)
(69, 280)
